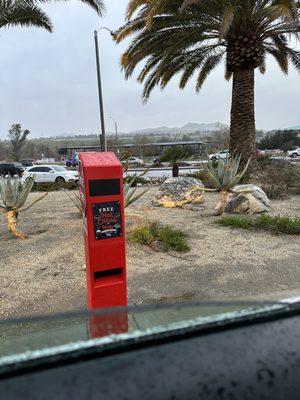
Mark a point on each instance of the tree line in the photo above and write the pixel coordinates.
(282, 139)
(19, 147)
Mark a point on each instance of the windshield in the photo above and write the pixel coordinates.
(59, 168)
(175, 192)
(33, 338)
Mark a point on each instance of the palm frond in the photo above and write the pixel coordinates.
(27, 13)
(187, 3)
(209, 64)
(23, 13)
(281, 58)
(96, 5)
(192, 36)
(294, 57)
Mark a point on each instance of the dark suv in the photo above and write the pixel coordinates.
(11, 168)
(27, 163)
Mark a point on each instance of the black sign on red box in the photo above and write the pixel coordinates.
(107, 220)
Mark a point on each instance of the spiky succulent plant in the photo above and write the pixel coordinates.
(225, 176)
(75, 198)
(130, 195)
(14, 193)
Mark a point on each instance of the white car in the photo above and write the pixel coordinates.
(50, 173)
(294, 153)
(223, 154)
(135, 161)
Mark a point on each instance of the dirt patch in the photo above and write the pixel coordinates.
(45, 273)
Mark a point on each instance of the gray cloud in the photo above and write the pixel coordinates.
(48, 82)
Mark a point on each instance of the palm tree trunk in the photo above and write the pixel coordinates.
(242, 126)
(175, 170)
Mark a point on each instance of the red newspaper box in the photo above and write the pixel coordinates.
(101, 190)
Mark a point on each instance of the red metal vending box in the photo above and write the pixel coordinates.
(101, 190)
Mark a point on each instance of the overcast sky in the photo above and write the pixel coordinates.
(48, 82)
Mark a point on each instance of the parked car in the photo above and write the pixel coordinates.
(51, 173)
(11, 168)
(72, 162)
(260, 152)
(294, 153)
(27, 163)
(223, 154)
(135, 161)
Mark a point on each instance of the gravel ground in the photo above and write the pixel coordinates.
(45, 273)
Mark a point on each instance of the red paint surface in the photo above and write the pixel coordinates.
(102, 254)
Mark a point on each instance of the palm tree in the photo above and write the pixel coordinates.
(176, 36)
(28, 13)
(173, 155)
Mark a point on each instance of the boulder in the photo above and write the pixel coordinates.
(177, 192)
(247, 199)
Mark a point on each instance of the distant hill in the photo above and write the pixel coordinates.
(294, 128)
(190, 127)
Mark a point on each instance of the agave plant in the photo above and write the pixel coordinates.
(75, 197)
(225, 177)
(130, 195)
(14, 194)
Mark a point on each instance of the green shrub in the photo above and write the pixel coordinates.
(277, 224)
(171, 238)
(135, 180)
(236, 222)
(168, 237)
(263, 160)
(142, 235)
(54, 186)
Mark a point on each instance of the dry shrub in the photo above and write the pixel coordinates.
(279, 181)
(54, 186)
(203, 176)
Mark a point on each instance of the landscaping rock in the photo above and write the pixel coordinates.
(247, 199)
(176, 192)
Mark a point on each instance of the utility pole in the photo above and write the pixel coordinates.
(102, 135)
